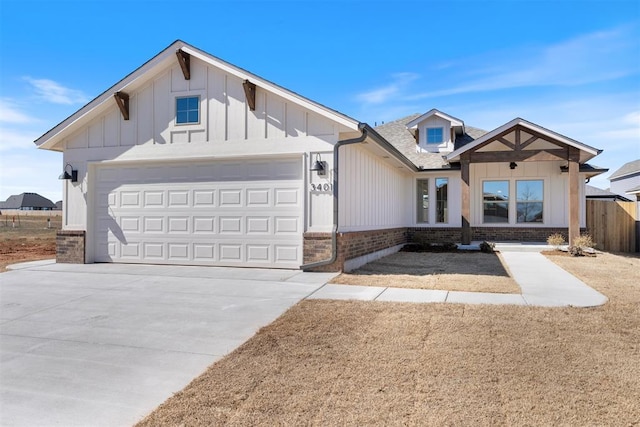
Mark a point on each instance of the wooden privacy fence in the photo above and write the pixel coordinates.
(612, 225)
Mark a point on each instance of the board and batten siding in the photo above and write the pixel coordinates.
(227, 129)
(373, 193)
(556, 193)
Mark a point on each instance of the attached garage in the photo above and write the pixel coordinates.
(220, 213)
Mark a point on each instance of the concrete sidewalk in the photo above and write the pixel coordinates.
(542, 282)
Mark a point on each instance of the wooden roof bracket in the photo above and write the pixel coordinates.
(122, 99)
(417, 136)
(250, 93)
(184, 59)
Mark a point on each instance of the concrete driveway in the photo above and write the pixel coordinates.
(104, 344)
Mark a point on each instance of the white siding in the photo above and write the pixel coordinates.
(435, 122)
(556, 193)
(227, 129)
(373, 193)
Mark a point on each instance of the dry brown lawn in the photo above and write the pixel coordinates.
(29, 240)
(366, 363)
(450, 271)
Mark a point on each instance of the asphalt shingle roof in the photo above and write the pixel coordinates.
(626, 169)
(398, 135)
(27, 200)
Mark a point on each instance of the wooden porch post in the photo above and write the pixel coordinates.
(574, 194)
(466, 204)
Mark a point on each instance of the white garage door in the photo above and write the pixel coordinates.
(232, 213)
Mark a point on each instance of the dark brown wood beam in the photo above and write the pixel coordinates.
(184, 59)
(417, 136)
(528, 142)
(466, 201)
(250, 94)
(122, 99)
(507, 143)
(518, 139)
(519, 156)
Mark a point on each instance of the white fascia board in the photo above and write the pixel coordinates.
(271, 87)
(592, 152)
(434, 112)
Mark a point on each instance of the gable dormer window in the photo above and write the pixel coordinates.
(188, 110)
(435, 135)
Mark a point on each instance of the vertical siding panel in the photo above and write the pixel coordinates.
(96, 133)
(178, 83)
(198, 80)
(296, 121)
(162, 111)
(236, 114)
(275, 117)
(111, 128)
(145, 115)
(128, 127)
(256, 118)
(216, 109)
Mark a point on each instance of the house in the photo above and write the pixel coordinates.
(192, 160)
(626, 180)
(595, 193)
(27, 202)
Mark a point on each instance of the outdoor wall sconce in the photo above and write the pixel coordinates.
(319, 166)
(513, 165)
(73, 176)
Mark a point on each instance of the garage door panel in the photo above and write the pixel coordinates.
(172, 215)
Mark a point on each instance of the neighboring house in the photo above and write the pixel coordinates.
(59, 205)
(191, 160)
(27, 202)
(626, 180)
(595, 193)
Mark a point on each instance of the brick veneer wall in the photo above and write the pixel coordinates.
(445, 235)
(70, 246)
(533, 234)
(317, 246)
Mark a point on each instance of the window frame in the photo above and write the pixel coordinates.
(540, 201)
(429, 136)
(442, 205)
(486, 202)
(176, 111)
(421, 211)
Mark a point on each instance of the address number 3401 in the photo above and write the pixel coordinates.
(321, 187)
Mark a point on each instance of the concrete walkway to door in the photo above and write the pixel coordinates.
(104, 344)
(542, 283)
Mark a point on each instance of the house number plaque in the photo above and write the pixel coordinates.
(316, 188)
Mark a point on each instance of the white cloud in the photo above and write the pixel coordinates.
(9, 113)
(55, 93)
(388, 92)
(13, 138)
(590, 58)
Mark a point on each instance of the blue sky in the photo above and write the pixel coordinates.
(572, 66)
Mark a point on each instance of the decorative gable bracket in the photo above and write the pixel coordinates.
(250, 93)
(122, 99)
(184, 59)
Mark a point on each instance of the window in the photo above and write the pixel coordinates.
(495, 201)
(423, 200)
(529, 197)
(434, 135)
(188, 110)
(441, 199)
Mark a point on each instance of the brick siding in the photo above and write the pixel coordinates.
(70, 246)
(317, 246)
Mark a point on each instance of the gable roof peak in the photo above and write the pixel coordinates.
(435, 112)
